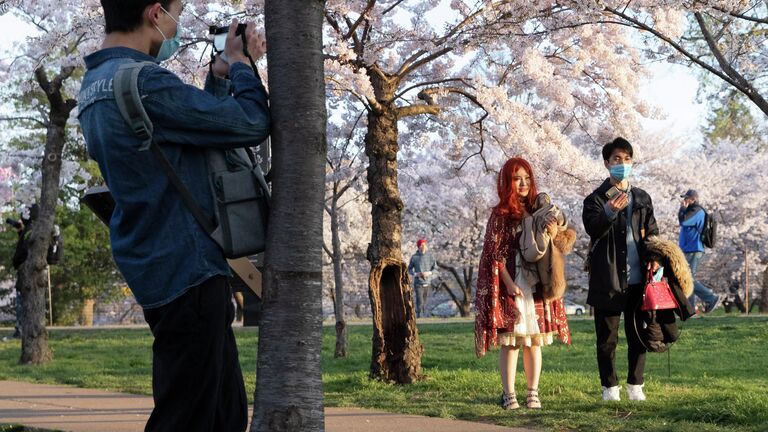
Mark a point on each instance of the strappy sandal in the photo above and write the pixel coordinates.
(533, 399)
(509, 401)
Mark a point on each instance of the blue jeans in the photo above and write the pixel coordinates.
(705, 294)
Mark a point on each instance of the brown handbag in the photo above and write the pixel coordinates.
(657, 295)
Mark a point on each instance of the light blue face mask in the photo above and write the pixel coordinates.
(169, 46)
(620, 172)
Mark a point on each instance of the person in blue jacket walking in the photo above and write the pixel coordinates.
(691, 216)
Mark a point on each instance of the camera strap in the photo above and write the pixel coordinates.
(132, 110)
(129, 103)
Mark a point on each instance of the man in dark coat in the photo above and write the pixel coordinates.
(618, 218)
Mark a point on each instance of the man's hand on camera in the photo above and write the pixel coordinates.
(234, 45)
(257, 44)
(220, 67)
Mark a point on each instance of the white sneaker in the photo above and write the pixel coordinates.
(635, 392)
(611, 393)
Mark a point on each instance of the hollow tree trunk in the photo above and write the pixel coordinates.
(289, 392)
(396, 351)
(338, 279)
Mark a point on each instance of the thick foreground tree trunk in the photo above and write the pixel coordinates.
(289, 393)
(396, 352)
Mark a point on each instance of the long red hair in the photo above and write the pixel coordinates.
(509, 201)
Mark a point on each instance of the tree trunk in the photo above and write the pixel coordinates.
(396, 352)
(33, 275)
(86, 313)
(338, 298)
(465, 284)
(289, 393)
(764, 294)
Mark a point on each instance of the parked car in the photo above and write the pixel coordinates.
(445, 310)
(572, 308)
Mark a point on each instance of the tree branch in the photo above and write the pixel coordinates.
(327, 251)
(414, 110)
(360, 19)
(435, 82)
(642, 26)
(406, 69)
(741, 15)
(741, 83)
(453, 271)
(32, 119)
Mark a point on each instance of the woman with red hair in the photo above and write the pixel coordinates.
(511, 312)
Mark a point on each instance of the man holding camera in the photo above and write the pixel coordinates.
(22, 227)
(174, 269)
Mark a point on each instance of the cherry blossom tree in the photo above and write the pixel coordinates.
(345, 170)
(724, 174)
(449, 207)
(520, 75)
(725, 38)
(43, 76)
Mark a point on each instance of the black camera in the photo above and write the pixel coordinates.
(14, 223)
(220, 35)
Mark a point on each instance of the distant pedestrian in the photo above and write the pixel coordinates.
(421, 267)
(691, 216)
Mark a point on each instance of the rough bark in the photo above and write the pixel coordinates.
(396, 351)
(338, 279)
(33, 279)
(289, 394)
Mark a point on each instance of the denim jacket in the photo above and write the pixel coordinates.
(157, 244)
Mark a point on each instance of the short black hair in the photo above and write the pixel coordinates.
(617, 144)
(126, 15)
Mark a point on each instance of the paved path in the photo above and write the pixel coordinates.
(83, 410)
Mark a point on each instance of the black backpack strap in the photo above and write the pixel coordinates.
(126, 90)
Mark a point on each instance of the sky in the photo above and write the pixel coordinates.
(671, 87)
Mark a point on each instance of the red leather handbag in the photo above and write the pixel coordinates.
(657, 295)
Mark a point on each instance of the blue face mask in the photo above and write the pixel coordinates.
(169, 46)
(620, 172)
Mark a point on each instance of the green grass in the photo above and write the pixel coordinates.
(718, 380)
(20, 428)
